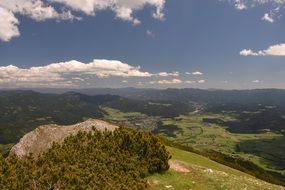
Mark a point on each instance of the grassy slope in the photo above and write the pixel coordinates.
(192, 131)
(203, 174)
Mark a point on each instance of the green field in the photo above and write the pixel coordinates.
(266, 149)
(192, 171)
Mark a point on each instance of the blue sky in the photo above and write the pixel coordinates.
(231, 44)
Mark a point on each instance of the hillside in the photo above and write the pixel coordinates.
(192, 171)
(118, 158)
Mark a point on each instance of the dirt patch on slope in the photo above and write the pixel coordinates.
(178, 167)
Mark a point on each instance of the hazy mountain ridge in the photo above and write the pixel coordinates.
(252, 96)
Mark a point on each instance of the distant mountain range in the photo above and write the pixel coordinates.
(211, 96)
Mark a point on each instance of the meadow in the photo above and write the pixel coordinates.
(192, 171)
(202, 131)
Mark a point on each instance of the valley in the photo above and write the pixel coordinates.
(248, 136)
(265, 149)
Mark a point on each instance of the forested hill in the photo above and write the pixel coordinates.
(22, 111)
(94, 160)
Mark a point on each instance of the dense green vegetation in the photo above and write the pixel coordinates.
(108, 160)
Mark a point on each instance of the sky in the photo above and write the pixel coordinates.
(224, 44)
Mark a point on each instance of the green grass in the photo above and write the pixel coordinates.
(204, 174)
(200, 135)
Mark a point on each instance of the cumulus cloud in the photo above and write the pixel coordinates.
(67, 72)
(123, 9)
(165, 74)
(35, 9)
(248, 52)
(256, 81)
(8, 25)
(274, 50)
(197, 73)
(201, 81)
(41, 10)
(194, 73)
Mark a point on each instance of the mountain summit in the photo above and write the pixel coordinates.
(42, 138)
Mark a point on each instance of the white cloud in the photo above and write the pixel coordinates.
(256, 81)
(8, 25)
(75, 73)
(268, 18)
(240, 4)
(41, 10)
(176, 81)
(165, 74)
(67, 72)
(36, 9)
(275, 50)
(197, 73)
(78, 79)
(124, 9)
(194, 73)
(173, 81)
(190, 82)
(247, 52)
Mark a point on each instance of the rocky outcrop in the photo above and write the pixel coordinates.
(42, 138)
